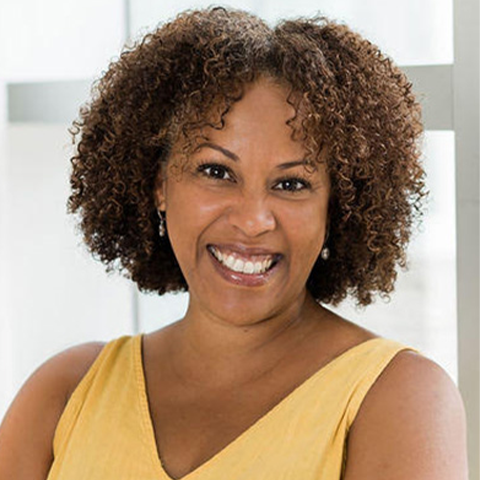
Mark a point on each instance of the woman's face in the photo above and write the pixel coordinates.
(245, 220)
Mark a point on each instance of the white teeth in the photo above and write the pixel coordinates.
(238, 265)
(249, 267)
(229, 261)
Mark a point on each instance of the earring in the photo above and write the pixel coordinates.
(161, 226)
(325, 253)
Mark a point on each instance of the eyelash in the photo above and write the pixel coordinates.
(205, 166)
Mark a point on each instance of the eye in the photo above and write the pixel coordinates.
(215, 170)
(293, 184)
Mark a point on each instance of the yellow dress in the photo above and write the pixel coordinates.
(106, 432)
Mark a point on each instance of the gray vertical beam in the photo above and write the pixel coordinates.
(466, 123)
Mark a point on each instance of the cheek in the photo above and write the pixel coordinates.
(307, 220)
(190, 211)
(305, 228)
(194, 207)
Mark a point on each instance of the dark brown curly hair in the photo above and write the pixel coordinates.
(352, 99)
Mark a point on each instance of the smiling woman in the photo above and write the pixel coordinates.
(268, 171)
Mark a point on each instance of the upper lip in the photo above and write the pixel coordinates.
(245, 250)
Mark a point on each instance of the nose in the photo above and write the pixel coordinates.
(252, 215)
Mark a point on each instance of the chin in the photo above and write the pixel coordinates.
(244, 311)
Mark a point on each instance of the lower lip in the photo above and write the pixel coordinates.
(244, 279)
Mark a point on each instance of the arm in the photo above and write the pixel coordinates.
(411, 426)
(27, 431)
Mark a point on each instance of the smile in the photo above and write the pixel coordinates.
(241, 263)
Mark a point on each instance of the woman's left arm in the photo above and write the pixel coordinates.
(410, 426)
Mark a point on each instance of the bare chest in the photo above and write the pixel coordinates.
(193, 428)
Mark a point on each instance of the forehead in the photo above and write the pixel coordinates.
(261, 120)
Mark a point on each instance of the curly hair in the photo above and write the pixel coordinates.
(352, 99)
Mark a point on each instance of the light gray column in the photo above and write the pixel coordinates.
(466, 122)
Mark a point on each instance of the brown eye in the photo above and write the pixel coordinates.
(293, 184)
(215, 170)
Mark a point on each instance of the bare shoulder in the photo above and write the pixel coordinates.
(27, 431)
(411, 425)
(72, 364)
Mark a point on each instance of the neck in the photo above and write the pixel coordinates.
(211, 351)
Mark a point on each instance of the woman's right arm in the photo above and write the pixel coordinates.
(27, 431)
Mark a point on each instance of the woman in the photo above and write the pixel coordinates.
(266, 171)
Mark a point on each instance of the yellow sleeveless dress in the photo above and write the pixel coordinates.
(106, 432)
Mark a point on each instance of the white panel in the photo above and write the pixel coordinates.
(156, 311)
(58, 39)
(146, 14)
(413, 32)
(57, 295)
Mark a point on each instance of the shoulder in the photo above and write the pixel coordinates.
(29, 425)
(63, 372)
(411, 424)
(72, 364)
(58, 376)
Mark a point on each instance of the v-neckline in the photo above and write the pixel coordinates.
(249, 431)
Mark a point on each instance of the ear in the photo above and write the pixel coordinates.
(160, 189)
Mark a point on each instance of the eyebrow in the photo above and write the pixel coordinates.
(226, 152)
(235, 158)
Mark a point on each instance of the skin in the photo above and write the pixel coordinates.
(411, 424)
